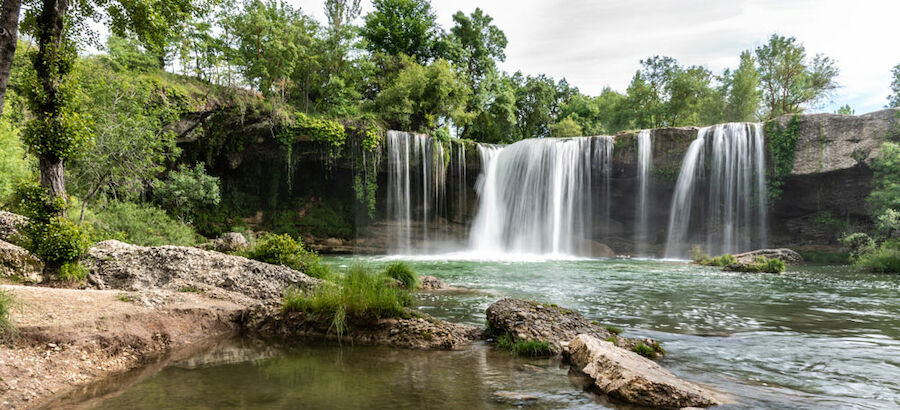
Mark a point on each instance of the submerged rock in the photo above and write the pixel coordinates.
(118, 265)
(783, 254)
(626, 376)
(526, 320)
(416, 331)
(10, 224)
(16, 262)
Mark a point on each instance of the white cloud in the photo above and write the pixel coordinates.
(599, 43)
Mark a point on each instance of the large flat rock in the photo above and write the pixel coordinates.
(626, 376)
(18, 263)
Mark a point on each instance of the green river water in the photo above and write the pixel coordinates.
(814, 337)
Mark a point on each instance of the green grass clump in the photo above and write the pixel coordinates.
(761, 264)
(883, 259)
(822, 257)
(614, 329)
(356, 296)
(531, 348)
(649, 350)
(72, 272)
(290, 252)
(138, 224)
(701, 258)
(403, 273)
(6, 302)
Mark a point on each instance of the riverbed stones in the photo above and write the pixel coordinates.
(626, 376)
(10, 224)
(118, 265)
(526, 320)
(19, 264)
(783, 254)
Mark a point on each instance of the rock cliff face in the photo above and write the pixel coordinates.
(312, 191)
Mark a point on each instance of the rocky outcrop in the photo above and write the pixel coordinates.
(783, 254)
(626, 376)
(118, 265)
(230, 242)
(19, 264)
(416, 331)
(525, 320)
(432, 283)
(10, 224)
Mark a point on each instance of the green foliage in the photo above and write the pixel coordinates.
(322, 130)
(126, 54)
(701, 258)
(783, 145)
(72, 272)
(649, 350)
(57, 240)
(664, 93)
(290, 252)
(357, 296)
(845, 110)
(403, 273)
(402, 27)
(894, 98)
(139, 224)
(7, 329)
(568, 127)
(825, 258)
(886, 180)
(186, 191)
(531, 348)
(888, 223)
(421, 98)
(790, 81)
(614, 329)
(14, 165)
(763, 264)
(884, 258)
(859, 244)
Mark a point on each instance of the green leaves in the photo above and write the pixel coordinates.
(402, 27)
(422, 98)
(791, 81)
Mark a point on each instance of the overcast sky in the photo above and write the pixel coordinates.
(598, 43)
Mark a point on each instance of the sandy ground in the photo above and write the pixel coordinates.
(68, 338)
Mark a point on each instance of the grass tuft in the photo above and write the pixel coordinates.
(530, 348)
(402, 272)
(649, 350)
(614, 329)
(7, 329)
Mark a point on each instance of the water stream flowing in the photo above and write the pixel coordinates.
(644, 160)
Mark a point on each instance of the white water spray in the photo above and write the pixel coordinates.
(644, 159)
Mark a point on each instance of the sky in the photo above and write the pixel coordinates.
(594, 44)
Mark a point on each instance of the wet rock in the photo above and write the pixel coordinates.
(527, 320)
(626, 376)
(431, 283)
(118, 265)
(514, 397)
(10, 224)
(416, 331)
(783, 254)
(16, 262)
(230, 242)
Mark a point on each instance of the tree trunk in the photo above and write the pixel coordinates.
(9, 29)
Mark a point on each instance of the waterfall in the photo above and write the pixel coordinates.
(726, 165)
(537, 196)
(644, 159)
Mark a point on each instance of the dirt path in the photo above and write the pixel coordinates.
(68, 338)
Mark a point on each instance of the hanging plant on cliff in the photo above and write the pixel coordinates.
(783, 145)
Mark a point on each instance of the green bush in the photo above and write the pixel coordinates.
(402, 272)
(649, 350)
(702, 258)
(6, 303)
(859, 244)
(285, 250)
(187, 191)
(532, 348)
(356, 296)
(824, 257)
(14, 166)
(72, 272)
(139, 224)
(883, 259)
(58, 240)
(761, 264)
(614, 329)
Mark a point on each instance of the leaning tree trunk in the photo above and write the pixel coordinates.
(9, 29)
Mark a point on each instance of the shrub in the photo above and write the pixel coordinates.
(614, 329)
(761, 264)
(402, 272)
(883, 259)
(649, 350)
(285, 250)
(139, 224)
(6, 302)
(72, 272)
(356, 296)
(703, 259)
(186, 191)
(859, 243)
(532, 348)
(57, 241)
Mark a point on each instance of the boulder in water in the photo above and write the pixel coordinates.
(626, 376)
(783, 254)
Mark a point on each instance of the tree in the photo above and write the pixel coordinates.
(402, 27)
(496, 123)
(791, 81)
(9, 29)
(566, 128)
(845, 110)
(186, 191)
(477, 45)
(894, 99)
(536, 105)
(743, 94)
(422, 98)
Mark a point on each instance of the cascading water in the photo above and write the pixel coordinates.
(725, 163)
(538, 196)
(644, 158)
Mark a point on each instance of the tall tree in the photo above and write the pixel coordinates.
(477, 45)
(402, 27)
(424, 97)
(791, 81)
(894, 98)
(743, 96)
(9, 34)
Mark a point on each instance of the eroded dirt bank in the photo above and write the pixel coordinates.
(67, 338)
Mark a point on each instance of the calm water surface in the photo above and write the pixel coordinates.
(817, 337)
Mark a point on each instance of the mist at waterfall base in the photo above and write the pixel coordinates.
(551, 198)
